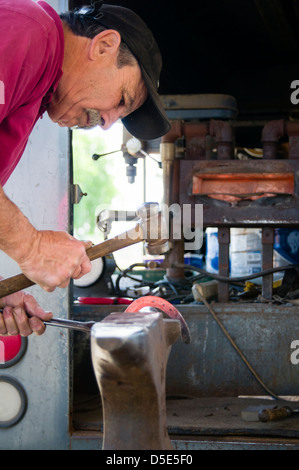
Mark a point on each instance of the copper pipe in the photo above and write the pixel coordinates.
(174, 133)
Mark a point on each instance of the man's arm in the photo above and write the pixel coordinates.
(48, 258)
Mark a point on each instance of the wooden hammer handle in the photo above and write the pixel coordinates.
(20, 281)
(128, 238)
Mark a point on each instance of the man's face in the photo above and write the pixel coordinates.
(100, 96)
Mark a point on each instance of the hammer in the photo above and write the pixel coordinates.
(150, 228)
(276, 414)
(267, 413)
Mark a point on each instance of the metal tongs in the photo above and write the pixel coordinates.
(71, 324)
(84, 326)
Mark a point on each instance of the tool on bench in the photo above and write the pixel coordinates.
(151, 228)
(276, 414)
(267, 413)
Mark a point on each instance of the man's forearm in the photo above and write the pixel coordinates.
(48, 258)
(16, 232)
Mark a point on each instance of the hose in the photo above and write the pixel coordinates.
(233, 279)
(236, 347)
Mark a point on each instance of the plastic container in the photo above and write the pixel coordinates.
(245, 251)
(286, 246)
(212, 250)
(193, 259)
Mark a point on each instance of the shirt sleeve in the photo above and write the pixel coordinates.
(28, 66)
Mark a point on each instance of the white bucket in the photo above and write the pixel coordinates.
(245, 252)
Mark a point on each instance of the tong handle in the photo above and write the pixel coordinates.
(71, 324)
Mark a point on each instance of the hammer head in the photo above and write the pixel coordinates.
(155, 230)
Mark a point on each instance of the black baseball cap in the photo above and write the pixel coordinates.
(149, 121)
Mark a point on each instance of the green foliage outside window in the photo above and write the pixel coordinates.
(94, 178)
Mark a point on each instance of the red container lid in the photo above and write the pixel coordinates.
(105, 300)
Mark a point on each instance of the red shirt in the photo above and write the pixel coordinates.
(31, 55)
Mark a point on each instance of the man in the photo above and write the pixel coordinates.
(89, 67)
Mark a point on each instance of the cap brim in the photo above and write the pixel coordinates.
(149, 121)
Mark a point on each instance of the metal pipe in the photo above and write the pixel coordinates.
(292, 130)
(272, 132)
(222, 131)
(167, 149)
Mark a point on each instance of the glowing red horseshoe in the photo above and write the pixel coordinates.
(164, 306)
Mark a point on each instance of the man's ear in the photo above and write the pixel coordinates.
(106, 42)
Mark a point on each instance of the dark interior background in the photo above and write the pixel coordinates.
(245, 48)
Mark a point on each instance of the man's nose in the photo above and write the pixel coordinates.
(108, 118)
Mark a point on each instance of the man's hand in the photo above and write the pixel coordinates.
(14, 319)
(54, 259)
